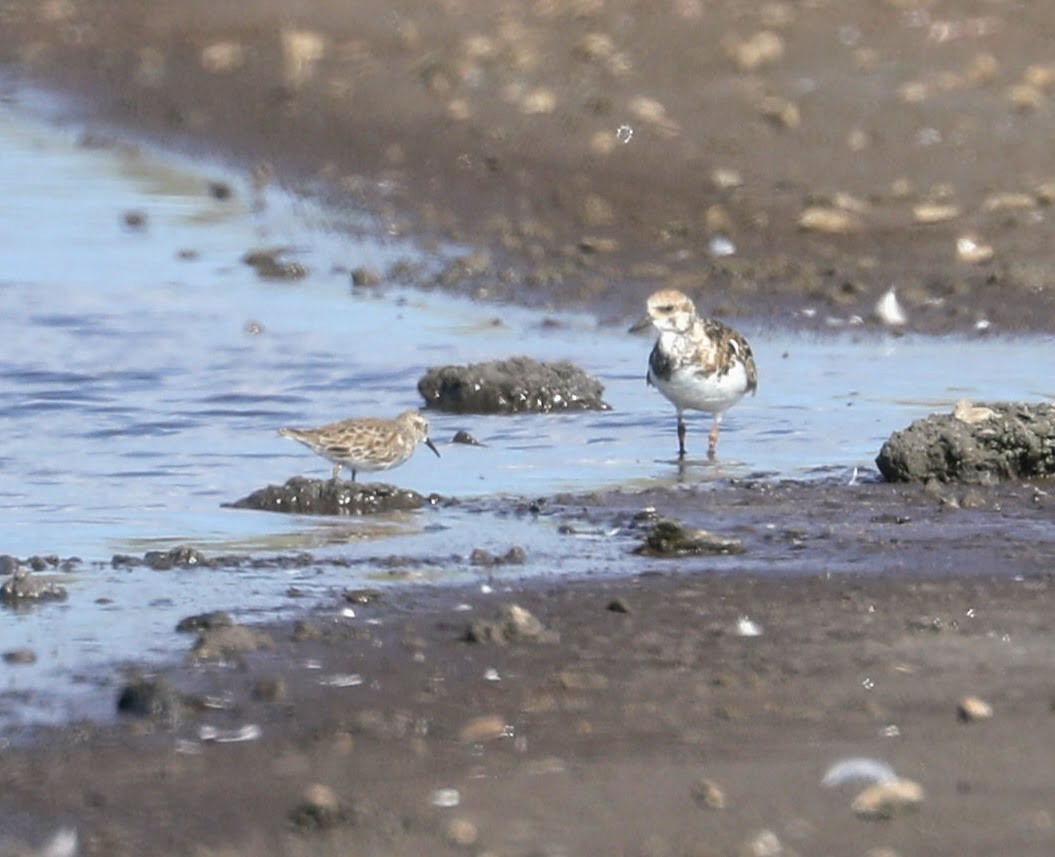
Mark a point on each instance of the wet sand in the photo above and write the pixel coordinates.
(586, 152)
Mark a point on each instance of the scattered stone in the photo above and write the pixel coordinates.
(763, 48)
(746, 627)
(1016, 442)
(319, 809)
(220, 644)
(654, 114)
(513, 624)
(973, 250)
(304, 496)
(305, 631)
(1025, 98)
(709, 794)
(222, 57)
(151, 698)
(829, 221)
(205, 621)
(619, 605)
(465, 438)
(971, 709)
(135, 220)
(269, 265)
(486, 727)
(178, 557)
(8, 564)
(933, 212)
(365, 277)
(362, 596)
(511, 386)
(1009, 201)
(462, 832)
(765, 843)
(885, 800)
(445, 798)
(726, 178)
(670, 539)
(516, 555)
(220, 190)
(271, 690)
(24, 586)
(20, 656)
(781, 112)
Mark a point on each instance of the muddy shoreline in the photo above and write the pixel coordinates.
(856, 621)
(586, 152)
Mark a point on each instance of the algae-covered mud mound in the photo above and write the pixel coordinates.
(511, 386)
(333, 497)
(975, 443)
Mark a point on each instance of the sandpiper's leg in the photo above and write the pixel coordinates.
(681, 436)
(712, 438)
(353, 476)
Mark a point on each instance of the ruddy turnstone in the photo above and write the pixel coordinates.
(367, 443)
(697, 363)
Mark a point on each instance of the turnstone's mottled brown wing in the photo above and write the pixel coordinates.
(729, 348)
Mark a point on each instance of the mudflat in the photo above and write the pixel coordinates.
(587, 152)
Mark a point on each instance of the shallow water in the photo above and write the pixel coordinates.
(135, 400)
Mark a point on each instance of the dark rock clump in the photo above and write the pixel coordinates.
(205, 622)
(511, 386)
(671, 539)
(22, 586)
(154, 699)
(513, 624)
(975, 444)
(333, 497)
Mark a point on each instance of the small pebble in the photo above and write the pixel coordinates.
(487, 727)
(709, 794)
(829, 221)
(765, 843)
(973, 708)
(20, 656)
(462, 832)
(885, 800)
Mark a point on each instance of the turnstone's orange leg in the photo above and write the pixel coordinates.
(712, 438)
(681, 436)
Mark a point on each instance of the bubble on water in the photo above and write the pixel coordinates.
(624, 133)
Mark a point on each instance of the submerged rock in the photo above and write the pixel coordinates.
(511, 386)
(332, 497)
(23, 586)
(671, 539)
(228, 642)
(975, 444)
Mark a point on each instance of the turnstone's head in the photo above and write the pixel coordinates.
(671, 310)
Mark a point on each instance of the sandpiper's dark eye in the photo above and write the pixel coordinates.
(667, 308)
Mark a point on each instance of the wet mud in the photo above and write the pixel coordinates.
(692, 707)
(789, 162)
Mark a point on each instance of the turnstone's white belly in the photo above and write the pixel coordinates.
(692, 388)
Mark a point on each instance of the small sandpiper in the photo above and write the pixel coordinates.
(697, 363)
(368, 443)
